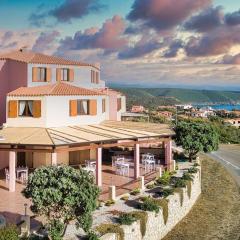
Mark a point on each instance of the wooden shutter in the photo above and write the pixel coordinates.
(97, 77)
(35, 74)
(49, 75)
(104, 105)
(119, 104)
(73, 108)
(12, 108)
(71, 75)
(93, 107)
(37, 108)
(58, 75)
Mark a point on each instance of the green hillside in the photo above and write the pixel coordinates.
(160, 96)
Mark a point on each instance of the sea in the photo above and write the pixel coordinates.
(228, 107)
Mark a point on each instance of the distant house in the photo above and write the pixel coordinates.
(137, 109)
(165, 114)
(233, 122)
(166, 107)
(184, 106)
(201, 113)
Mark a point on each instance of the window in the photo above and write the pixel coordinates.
(82, 107)
(119, 104)
(94, 77)
(64, 74)
(42, 74)
(103, 105)
(25, 108)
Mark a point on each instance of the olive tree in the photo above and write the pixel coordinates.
(196, 137)
(62, 194)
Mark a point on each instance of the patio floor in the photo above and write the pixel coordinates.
(12, 203)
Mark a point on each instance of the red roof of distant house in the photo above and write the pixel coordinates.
(109, 91)
(38, 58)
(57, 89)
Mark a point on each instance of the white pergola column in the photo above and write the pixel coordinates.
(54, 159)
(168, 153)
(99, 167)
(12, 171)
(136, 161)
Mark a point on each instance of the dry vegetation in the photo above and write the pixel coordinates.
(216, 215)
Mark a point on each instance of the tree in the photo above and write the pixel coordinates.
(195, 137)
(62, 194)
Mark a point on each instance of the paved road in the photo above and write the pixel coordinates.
(229, 156)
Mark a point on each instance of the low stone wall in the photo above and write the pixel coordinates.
(156, 229)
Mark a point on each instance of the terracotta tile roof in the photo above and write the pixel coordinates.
(109, 91)
(57, 89)
(38, 58)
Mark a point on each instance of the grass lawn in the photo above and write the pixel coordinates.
(216, 215)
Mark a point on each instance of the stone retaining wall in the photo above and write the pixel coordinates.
(155, 226)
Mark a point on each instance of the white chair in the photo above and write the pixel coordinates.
(23, 177)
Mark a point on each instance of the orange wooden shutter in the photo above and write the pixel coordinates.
(37, 108)
(12, 108)
(58, 74)
(93, 107)
(35, 74)
(49, 75)
(73, 108)
(71, 75)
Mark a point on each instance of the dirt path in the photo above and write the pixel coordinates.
(216, 215)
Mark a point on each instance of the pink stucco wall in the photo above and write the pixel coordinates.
(13, 75)
(113, 107)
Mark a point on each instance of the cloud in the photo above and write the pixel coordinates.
(164, 14)
(65, 12)
(216, 42)
(233, 18)
(108, 37)
(140, 49)
(229, 59)
(206, 20)
(173, 48)
(45, 41)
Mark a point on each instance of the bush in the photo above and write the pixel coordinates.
(193, 170)
(109, 203)
(180, 183)
(135, 192)
(110, 228)
(167, 191)
(165, 179)
(187, 176)
(124, 198)
(92, 236)
(196, 165)
(149, 205)
(9, 232)
(150, 186)
(126, 219)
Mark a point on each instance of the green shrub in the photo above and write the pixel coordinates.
(92, 236)
(126, 219)
(150, 186)
(109, 203)
(193, 170)
(135, 192)
(165, 179)
(124, 198)
(149, 205)
(196, 165)
(9, 232)
(167, 191)
(180, 183)
(187, 177)
(143, 217)
(110, 228)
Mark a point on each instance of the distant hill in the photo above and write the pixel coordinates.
(169, 96)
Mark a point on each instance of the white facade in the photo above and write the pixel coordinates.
(55, 112)
(82, 75)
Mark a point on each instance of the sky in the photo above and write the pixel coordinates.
(143, 43)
